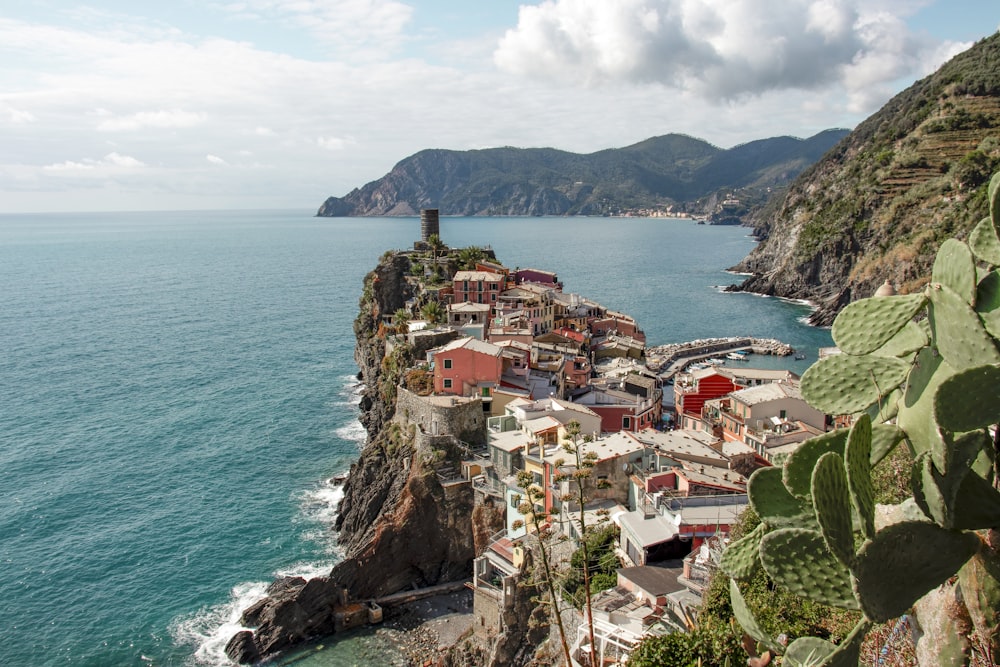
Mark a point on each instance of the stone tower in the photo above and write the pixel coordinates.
(429, 224)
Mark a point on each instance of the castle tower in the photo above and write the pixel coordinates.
(429, 224)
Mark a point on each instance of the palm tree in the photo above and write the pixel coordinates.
(401, 318)
(432, 312)
(434, 241)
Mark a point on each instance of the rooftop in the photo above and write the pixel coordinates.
(682, 441)
(606, 447)
(469, 307)
(510, 441)
(477, 275)
(473, 344)
(764, 393)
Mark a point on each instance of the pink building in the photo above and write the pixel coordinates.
(539, 277)
(477, 286)
(467, 367)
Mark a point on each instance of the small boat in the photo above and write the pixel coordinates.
(737, 356)
(800, 356)
(338, 480)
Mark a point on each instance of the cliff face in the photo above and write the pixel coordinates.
(400, 525)
(661, 171)
(880, 203)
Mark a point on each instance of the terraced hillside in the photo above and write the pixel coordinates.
(879, 204)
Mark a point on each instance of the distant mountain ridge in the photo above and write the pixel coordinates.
(671, 170)
(878, 205)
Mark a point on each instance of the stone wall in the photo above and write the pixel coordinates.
(461, 417)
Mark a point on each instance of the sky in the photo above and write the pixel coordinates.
(277, 104)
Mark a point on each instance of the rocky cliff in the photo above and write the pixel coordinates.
(399, 525)
(672, 170)
(880, 203)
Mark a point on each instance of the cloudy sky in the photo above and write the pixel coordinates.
(196, 104)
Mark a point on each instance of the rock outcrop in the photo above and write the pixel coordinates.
(399, 524)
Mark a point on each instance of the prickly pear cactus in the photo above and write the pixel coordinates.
(922, 370)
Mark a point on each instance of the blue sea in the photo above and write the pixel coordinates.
(177, 388)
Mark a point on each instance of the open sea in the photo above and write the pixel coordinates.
(175, 388)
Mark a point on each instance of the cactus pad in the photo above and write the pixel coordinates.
(980, 582)
(808, 652)
(772, 501)
(977, 504)
(868, 324)
(957, 331)
(857, 461)
(833, 506)
(956, 268)
(846, 384)
(933, 493)
(988, 302)
(740, 559)
(885, 437)
(984, 243)
(915, 414)
(904, 562)
(798, 559)
(797, 473)
(907, 340)
(969, 400)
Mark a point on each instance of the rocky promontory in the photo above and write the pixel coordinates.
(401, 524)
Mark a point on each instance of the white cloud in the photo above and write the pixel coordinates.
(70, 165)
(353, 29)
(215, 159)
(16, 116)
(119, 160)
(718, 49)
(112, 161)
(173, 118)
(332, 143)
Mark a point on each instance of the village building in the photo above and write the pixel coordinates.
(764, 408)
(467, 367)
(477, 286)
(467, 312)
(691, 390)
(538, 277)
(620, 410)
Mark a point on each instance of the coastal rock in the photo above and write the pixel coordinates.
(296, 614)
(400, 527)
(241, 648)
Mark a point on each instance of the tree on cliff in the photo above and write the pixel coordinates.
(582, 471)
(539, 522)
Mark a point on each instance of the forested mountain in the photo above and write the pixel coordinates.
(674, 170)
(879, 204)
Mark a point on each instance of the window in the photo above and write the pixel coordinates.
(485, 392)
(515, 500)
(626, 423)
(782, 414)
(447, 383)
(447, 363)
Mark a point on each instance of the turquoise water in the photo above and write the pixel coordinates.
(176, 387)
